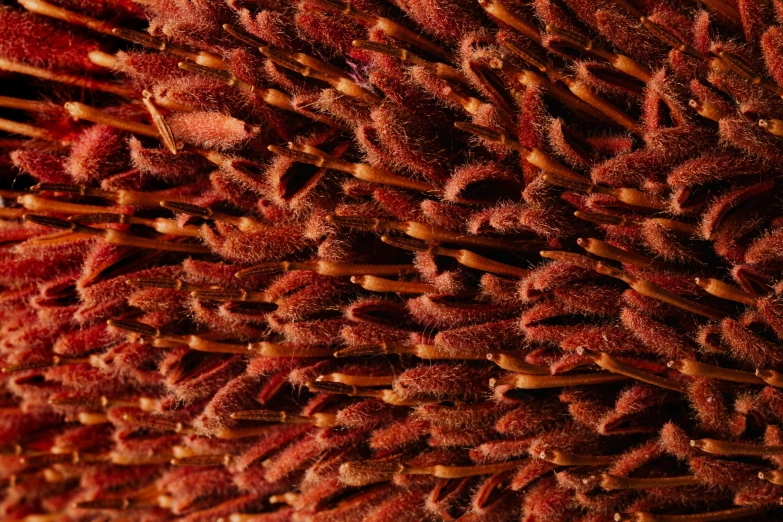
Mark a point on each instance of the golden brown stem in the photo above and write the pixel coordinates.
(533, 156)
(35, 203)
(326, 268)
(426, 232)
(565, 458)
(202, 344)
(115, 237)
(440, 69)
(301, 58)
(44, 363)
(272, 97)
(497, 9)
(376, 349)
(584, 93)
(203, 460)
(515, 364)
(618, 61)
(451, 472)
(27, 105)
(699, 369)
(771, 377)
(288, 497)
(670, 38)
(164, 131)
(200, 57)
(287, 351)
(68, 79)
(536, 382)
(321, 420)
(12, 213)
(603, 219)
(85, 112)
(161, 282)
(387, 396)
(390, 27)
(650, 289)
(222, 294)
(199, 344)
(162, 225)
(379, 284)
(341, 83)
(142, 403)
(721, 447)
(126, 459)
(464, 257)
(609, 363)
(542, 66)
(531, 79)
(243, 223)
(24, 129)
(361, 171)
(611, 482)
(101, 59)
(358, 380)
(677, 226)
(422, 351)
(708, 110)
(635, 198)
(741, 68)
(603, 249)
(157, 423)
(46, 9)
(446, 472)
(628, 196)
(92, 419)
(121, 197)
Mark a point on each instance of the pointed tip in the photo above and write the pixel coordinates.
(49, 221)
(331, 387)
(359, 351)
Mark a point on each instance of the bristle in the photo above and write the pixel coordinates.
(391, 260)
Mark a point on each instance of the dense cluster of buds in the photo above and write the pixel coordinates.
(391, 260)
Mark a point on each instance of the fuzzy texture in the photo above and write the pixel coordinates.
(280, 285)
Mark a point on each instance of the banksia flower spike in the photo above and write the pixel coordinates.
(391, 260)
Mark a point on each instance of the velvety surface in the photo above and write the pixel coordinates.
(392, 260)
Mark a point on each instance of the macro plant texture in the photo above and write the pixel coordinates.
(391, 260)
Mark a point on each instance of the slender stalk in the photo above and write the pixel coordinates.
(612, 482)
